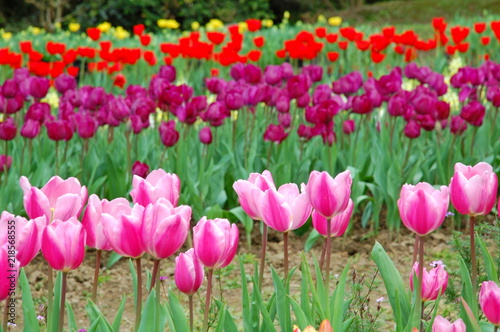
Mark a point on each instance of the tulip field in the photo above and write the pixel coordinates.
(210, 180)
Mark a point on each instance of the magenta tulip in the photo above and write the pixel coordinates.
(124, 231)
(250, 192)
(5, 163)
(26, 234)
(423, 208)
(63, 244)
(215, 242)
(473, 190)
(489, 300)
(285, 209)
(189, 272)
(434, 282)
(8, 272)
(165, 228)
(205, 135)
(443, 325)
(92, 219)
(339, 223)
(58, 199)
(329, 196)
(156, 185)
(140, 169)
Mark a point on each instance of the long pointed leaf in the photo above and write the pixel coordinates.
(29, 313)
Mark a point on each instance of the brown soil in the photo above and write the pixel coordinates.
(116, 281)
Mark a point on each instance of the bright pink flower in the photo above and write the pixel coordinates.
(189, 272)
(157, 184)
(58, 199)
(63, 244)
(338, 224)
(329, 196)
(443, 325)
(423, 208)
(434, 281)
(92, 219)
(250, 192)
(26, 234)
(473, 190)
(285, 209)
(8, 280)
(165, 228)
(124, 231)
(215, 242)
(489, 300)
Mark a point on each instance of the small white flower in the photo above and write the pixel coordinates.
(437, 263)
(380, 299)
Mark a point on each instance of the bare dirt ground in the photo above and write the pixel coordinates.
(355, 246)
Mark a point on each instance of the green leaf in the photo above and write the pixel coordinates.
(95, 325)
(313, 237)
(394, 285)
(57, 302)
(29, 313)
(94, 314)
(282, 304)
(148, 314)
(71, 317)
(474, 325)
(113, 258)
(245, 298)
(178, 315)
(119, 314)
(267, 321)
(489, 263)
(228, 323)
(302, 320)
(337, 314)
(133, 273)
(468, 296)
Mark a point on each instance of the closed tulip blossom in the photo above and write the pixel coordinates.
(140, 169)
(423, 208)
(8, 279)
(58, 199)
(489, 300)
(434, 282)
(473, 189)
(63, 244)
(189, 272)
(157, 184)
(329, 196)
(339, 223)
(26, 234)
(441, 324)
(250, 192)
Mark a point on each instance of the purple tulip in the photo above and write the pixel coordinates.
(272, 74)
(348, 84)
(64, 82)
(168, 134)
(30, 129)
(473, 113)
(275, 133)
(168, 73)
(205, 135)
(8, 129)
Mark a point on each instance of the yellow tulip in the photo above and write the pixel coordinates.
(57, 25)
(321, 18)
(36, 30)
(168, 24)
(242, 27)
(195, 25)
(335, 20)
(74, 27)
(6, 35)
(121, 33)
(104, 26)
(214, 24)
(286, 14)
(267, 23)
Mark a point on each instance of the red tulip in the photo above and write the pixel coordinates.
(94, 33)
(479, 27)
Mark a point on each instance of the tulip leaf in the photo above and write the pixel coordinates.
(29, 313)
(71, 317)
(337, 311)
(133, 274)
(148, 316)
(178, 315)
(267, 321)
(469, 308)
(227, 321)
(282, 304)
(305, 300)
(489, 264)
(313, 237)
(471, 317)
(56, 305)
(95, 325)
(302, 320)
(394, 285)
(367, 214)
(119, 314)
(113, 258)
(94, 314)
(245, 298)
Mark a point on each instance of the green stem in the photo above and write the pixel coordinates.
(96, 275)
(263, 254)
(328, 253)
(285, 254)
(407, 155)
(473, 264)
(56, 157)
(63, 301)
(138, 306)
(420, 277)
(191, 314)
(50, 296)
(207, 300)
(158, 296)
(415, 249)
(156, 266)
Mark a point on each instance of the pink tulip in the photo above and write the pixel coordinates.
(188, 273)
(25, 234)
(92, 219)
(9, 268)
(434, 282)
(63, 244)
(165, 228)
(124, 231)
(250, 192)
(473, 190)
(489, 300)
(285, 209)
(215, 242)
(329, 196)
(339, 223)
(423, 208)
(157, 184)
(58, 199)
(443, 325)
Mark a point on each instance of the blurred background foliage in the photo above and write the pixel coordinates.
(16, 15)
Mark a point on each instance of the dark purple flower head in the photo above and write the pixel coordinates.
(348, 84)
(275, 133)
(168, 134)
(273, 74)
(64, 82)
(168, 73)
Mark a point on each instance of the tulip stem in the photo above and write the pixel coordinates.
(473, 264)
(191, 313)
(269, 151)
(21, 165)
(56, 157)
(156, 266)
(63, 301)
(407, 155)
(96, 275)
(162, 156)
(50, 296)
(415, 249)
(207, 300)
(158, 298)
(420, 278)
(285, 254)
(328, 254)
(6, 313)
(138, 305)
(322, 258)
(495, 329)
(263, 254)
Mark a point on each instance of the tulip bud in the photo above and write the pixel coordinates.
(140, 169)
(8, 129)
(5, 162)
(168, 135)
(329, 196)
(64, 82)
(205, 135)
(348, 127)
(59, 130)
(30, 129)
(489, 300)
(10, 88)
(189, 272)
